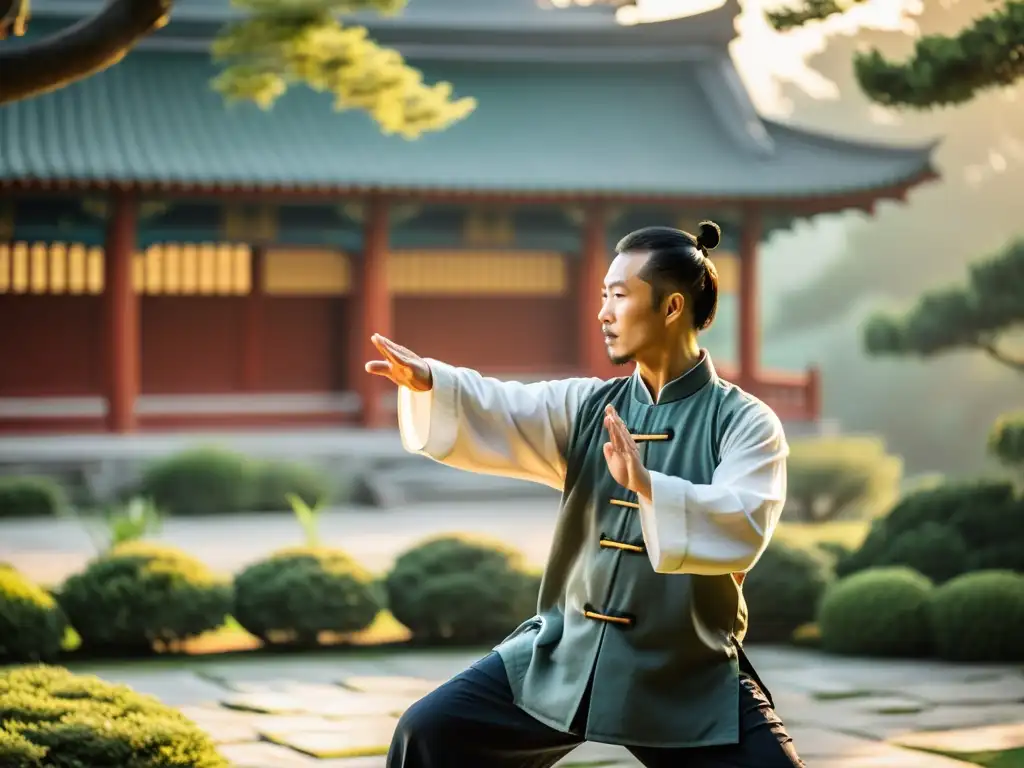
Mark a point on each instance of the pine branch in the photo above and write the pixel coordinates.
(811, 10)
(950, 70)
(303, 41)
(83, 49)
(989, 347)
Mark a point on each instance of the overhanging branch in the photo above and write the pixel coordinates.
(999, 356)
(83, 49)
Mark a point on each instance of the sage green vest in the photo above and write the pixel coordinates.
(667, 673)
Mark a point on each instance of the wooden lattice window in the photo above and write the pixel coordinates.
(50, 268)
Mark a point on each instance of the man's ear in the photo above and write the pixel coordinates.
(674, 306)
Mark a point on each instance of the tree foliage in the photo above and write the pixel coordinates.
(276, 44)
(942, 70)
(978, 315)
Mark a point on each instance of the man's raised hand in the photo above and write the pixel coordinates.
(402, 366)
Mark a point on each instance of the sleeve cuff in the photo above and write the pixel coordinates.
(428, 421)
(663, 520)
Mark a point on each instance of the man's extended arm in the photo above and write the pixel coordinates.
(493, 427)
(720, 528)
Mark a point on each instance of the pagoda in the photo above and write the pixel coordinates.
(168, 261)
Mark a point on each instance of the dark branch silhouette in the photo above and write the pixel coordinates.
(77, 52)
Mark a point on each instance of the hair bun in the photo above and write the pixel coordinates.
(710, 235)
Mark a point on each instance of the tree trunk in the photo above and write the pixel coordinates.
(85, 48)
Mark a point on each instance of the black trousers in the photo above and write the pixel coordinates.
(472, 722)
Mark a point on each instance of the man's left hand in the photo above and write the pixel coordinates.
(623, 456)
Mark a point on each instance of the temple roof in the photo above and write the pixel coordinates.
(504, 16)
(600, 122)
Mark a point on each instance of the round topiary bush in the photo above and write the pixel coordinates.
(783, 590)
(30, 497)
(868, 553)
(31, 623)
(142, 594)
(1008, 556)
(50, 718)
(296, 594)
(877, 612)
(461, 590)
(203, 481)
(933, 549)
(979, 617)
(276, 480)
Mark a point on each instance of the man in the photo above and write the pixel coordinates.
(673, 481)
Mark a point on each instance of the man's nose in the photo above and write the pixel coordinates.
(605, 315)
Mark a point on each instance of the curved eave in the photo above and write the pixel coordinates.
(863, 199)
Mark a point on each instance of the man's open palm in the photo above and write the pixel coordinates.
(402, 366)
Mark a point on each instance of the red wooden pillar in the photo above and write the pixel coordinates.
(593, 356)
(252, 340)
(121, 304)
(374, 313)
(749, 310)
(812, 399)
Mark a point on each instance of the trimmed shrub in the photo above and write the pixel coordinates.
(1002, 557)
(1006, 439)
(31, 497)
(202, 481)
(782, 591)
(840, 477)
(989, 525)
(52, 718)
(949, 504)
(139, 595)
(31, 623)
(868, 553)
(275, 480)
(296, 594)
(955, 523)
(979, 617)
(211, 481)
(933, 549)
(461, 590)
(877, 612)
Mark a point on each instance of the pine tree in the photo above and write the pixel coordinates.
(942, 70)
(277, 43)
(987, 312)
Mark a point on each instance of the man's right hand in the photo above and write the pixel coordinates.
(402, 366)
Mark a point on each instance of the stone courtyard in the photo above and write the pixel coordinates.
(339, 711)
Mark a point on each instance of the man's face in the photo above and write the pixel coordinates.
(631, 324)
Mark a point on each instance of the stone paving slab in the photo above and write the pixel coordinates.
(398, 685)
(359, 737)
(890, 757)
(994, 738)
(177, 688)
(264, 755)
(1004, 690)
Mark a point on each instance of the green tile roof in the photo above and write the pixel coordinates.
(627, 129)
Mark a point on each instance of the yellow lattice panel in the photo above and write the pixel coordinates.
(50, 268)
(189, 269)
(306, 272)
(477, 273)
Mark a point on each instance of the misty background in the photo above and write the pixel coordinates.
(821, 279)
